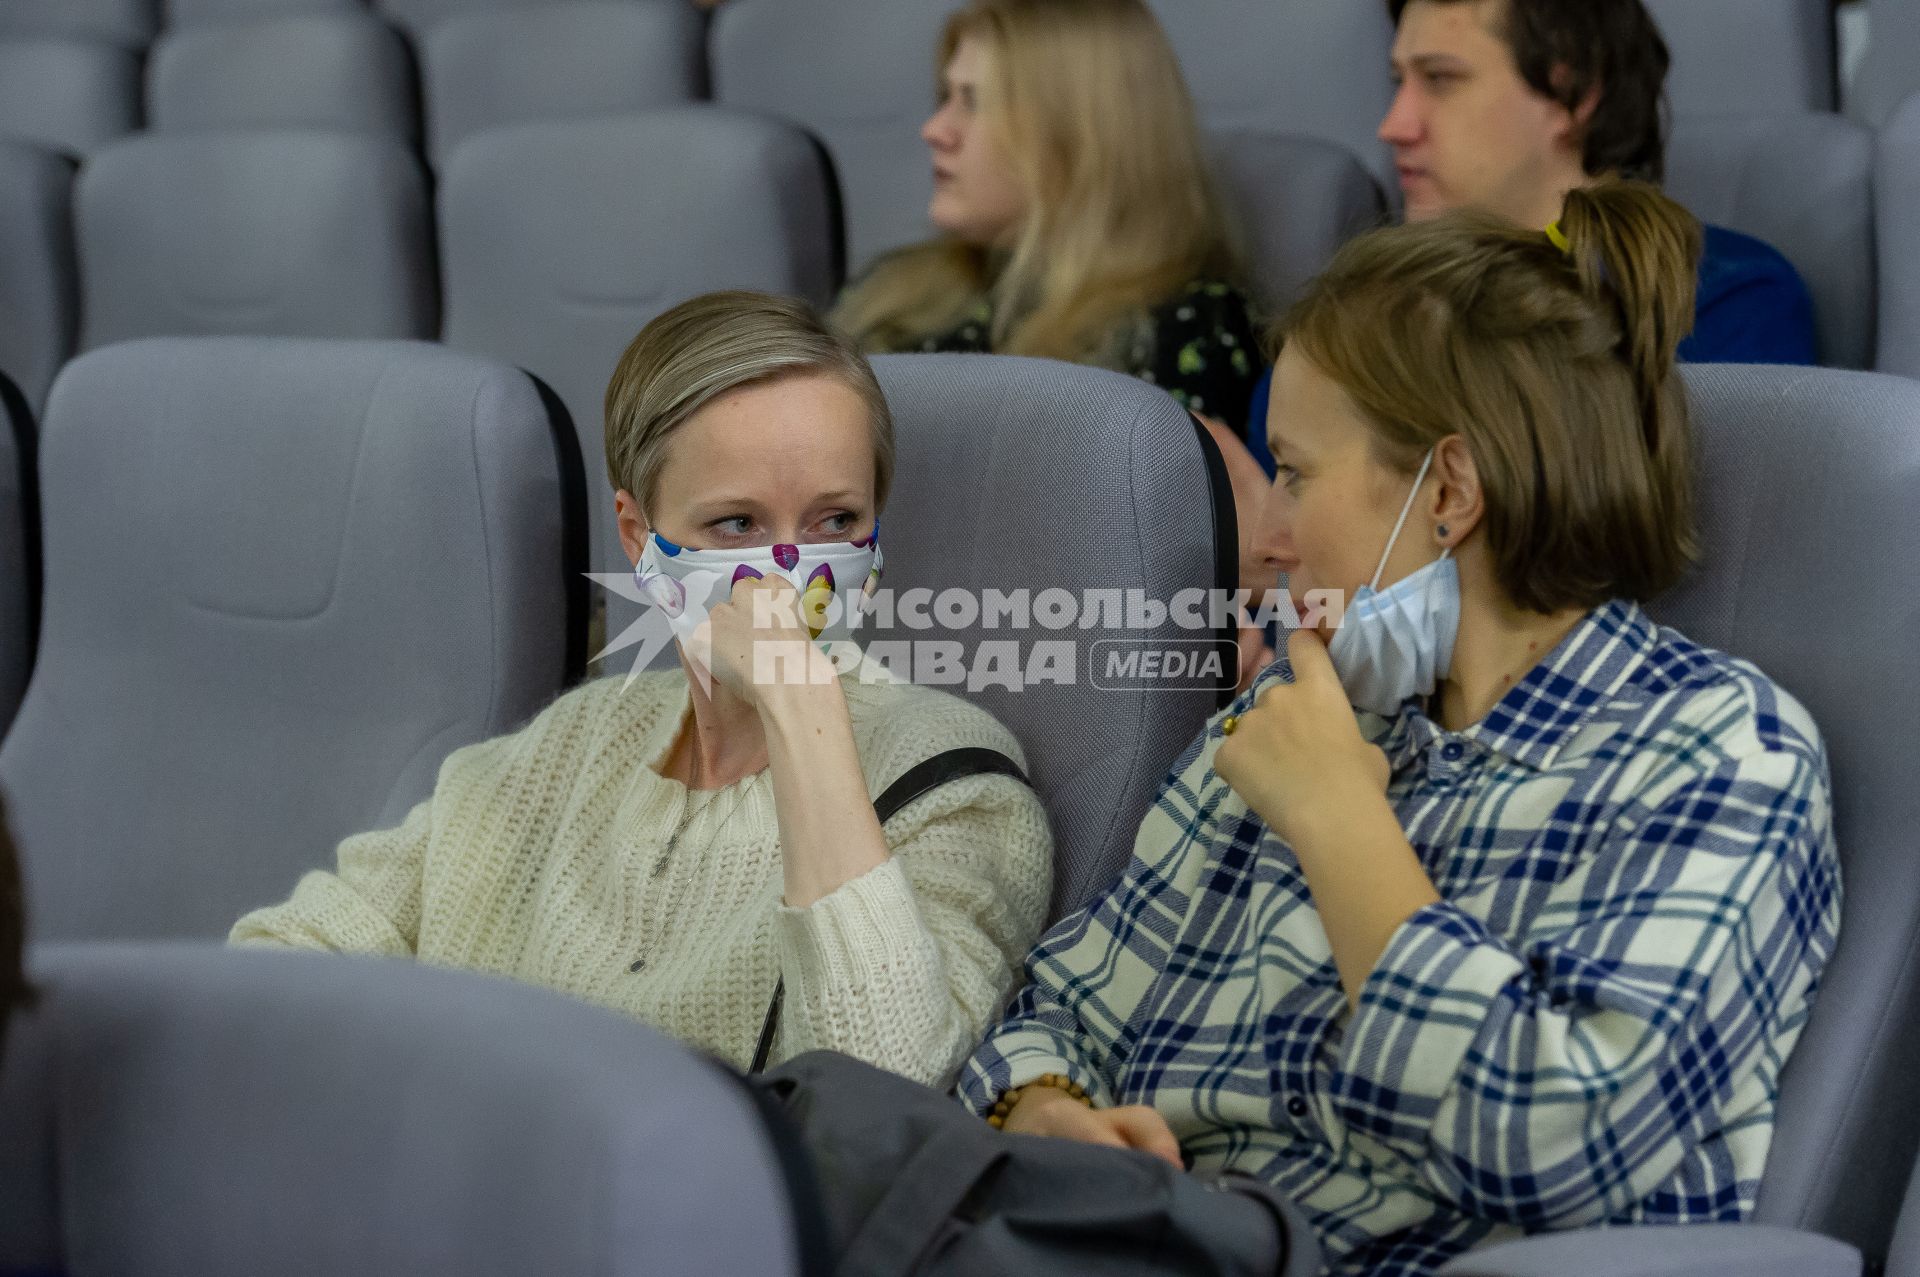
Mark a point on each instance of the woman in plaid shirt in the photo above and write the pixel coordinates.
(1523, 941)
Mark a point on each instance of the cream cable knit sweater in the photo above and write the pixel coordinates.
(538, 857)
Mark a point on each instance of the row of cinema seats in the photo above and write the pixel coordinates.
(245, 649)
(548, 245)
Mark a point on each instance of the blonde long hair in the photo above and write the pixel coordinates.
(1089, 103)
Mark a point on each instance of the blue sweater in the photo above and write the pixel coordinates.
(1751, 308)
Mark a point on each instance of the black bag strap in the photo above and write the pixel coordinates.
(918, 780)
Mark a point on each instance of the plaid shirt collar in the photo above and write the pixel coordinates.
(1534, 720)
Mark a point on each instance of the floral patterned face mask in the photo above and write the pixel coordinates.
(836, 581)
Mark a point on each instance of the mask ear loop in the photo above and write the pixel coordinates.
(1405, 510)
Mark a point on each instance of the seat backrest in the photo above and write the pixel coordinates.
(1889, 70)
(1903, 1259)
(1748, 56)
(327, 565)
(564, 61)
(321, 70)
(39, 296)
(129, 23)
(19, 551)
(1809, 487)
(299, 234)
(217, 1113)
(193, 13)
(1803, 183)
(1059, 484)
(1295, 201)
(1313, 67)
(419, 17)
(1896, 193)
(561, 240)
(68, 94)
(860, 76)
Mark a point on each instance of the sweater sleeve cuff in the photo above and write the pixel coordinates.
(865, 931)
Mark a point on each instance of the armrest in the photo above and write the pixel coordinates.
(1688, 1250)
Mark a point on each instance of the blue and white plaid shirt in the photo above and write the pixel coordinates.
(1639, 887)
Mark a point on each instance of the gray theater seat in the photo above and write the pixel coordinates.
(71, 95)
(1312, 67)
(1896, 193)
(124, 22)
(1295, 200)
(324, 70)
(562, 61)
(1803, 183)
(862, 85)
(19, 551)
(192, 13)
(180, 1111)
(284, 579)
(1890, 69)
(1753, 57)
(1029, 475)
(307, 234)
(561, 240)
(1809, 517)
(39, 304)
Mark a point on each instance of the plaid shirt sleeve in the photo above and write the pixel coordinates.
(1089, 974)
(1557, 1083)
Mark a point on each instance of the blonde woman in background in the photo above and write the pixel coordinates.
(680, 847)
(1078, 220)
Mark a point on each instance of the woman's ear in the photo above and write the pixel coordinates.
(1458, 504)
(633, 527)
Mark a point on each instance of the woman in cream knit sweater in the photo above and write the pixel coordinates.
(677, 845)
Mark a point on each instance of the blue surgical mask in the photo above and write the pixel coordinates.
(1397, 643)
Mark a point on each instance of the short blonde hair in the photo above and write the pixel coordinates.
(1557, 367)
(713, 344)
(1088, 100)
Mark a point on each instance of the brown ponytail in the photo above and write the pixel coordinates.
(1556, 367)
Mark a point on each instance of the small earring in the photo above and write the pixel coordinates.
(1441, 531)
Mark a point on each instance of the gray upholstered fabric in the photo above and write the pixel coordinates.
(189, 13)
(306, 234)
(124, 22)
(1700, 1250)
(564, 61)
(420, 16)
(1748, 56)
(184, 1111)
(1896, 192)
(69, 95)
(1903, 1259)
(1296, 200)
(1803, 183)
(19, 606)
(284, 579)
(562, 239)
(38, 294)
(1018, 474)
(1890, 69)
(1313, 67)
(859, 75)
(323, 70)
(1811, 529)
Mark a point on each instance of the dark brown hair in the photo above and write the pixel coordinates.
(1556, 367)
(1567, 49)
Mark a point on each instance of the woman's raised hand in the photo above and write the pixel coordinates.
(757, 640)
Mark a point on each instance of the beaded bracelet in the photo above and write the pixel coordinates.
(1058, 1081)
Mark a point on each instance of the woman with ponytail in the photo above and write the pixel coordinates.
(1495, 907)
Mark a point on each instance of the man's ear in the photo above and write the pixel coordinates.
(1458, 503)
(1580, 114)
(633, 525)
